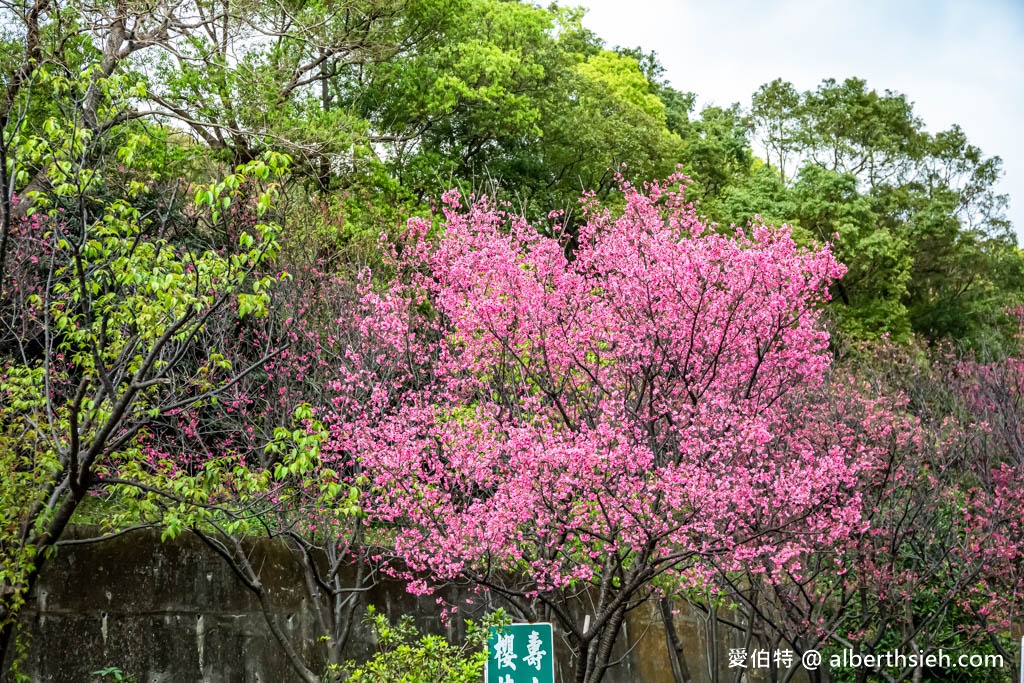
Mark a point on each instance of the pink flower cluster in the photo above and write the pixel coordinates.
(639, 401)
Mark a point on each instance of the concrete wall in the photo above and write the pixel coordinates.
(175, 613)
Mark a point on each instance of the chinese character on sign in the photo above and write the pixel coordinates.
(738, 658)
(534, 655)
(503, 652)
(520, 653)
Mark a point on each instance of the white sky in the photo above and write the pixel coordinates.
(958, 61)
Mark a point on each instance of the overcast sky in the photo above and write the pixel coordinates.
(958, 61)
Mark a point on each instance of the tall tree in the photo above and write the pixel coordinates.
(589, 432)
(774, 109)
(111, 325)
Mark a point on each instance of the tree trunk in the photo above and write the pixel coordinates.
(42, 544)
(676, 657)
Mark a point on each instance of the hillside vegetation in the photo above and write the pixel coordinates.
(454, 291)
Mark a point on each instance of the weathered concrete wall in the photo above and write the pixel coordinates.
(175, 613)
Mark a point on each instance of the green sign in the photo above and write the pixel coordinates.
(520, 653)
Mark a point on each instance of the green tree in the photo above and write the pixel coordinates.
(916, 215)
(523, 102)
(774, 111)
(717, 152)
(111, 322)
(873, 292)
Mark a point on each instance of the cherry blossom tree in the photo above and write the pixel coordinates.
(937, 563)
(574, 433)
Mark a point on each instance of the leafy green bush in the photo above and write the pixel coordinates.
(406, 656)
